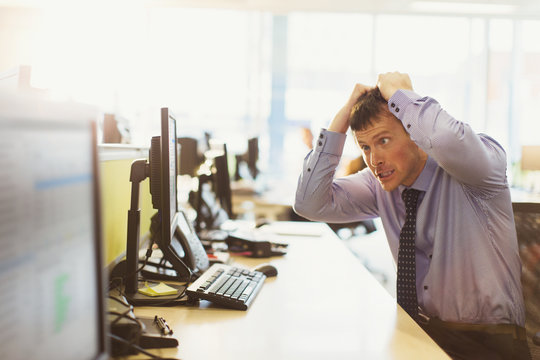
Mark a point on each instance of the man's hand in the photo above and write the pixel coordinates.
(389, 83)
(341, 120)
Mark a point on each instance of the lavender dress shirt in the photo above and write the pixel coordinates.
(467, 262)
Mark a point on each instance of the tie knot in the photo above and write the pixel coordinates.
(410, 197)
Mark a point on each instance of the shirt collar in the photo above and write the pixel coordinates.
(424, 179)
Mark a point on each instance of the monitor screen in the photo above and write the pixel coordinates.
(50, 262)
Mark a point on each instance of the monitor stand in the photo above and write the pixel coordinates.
(131, 282)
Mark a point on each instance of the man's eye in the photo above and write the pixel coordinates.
(385, 141)
(364, 148)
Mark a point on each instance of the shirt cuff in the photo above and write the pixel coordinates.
(330, 142)
(400, 101)
(406, 105)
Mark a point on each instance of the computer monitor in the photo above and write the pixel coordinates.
(190, 160)
(183, 253)
(51, 270)
(221, 177)
(249, 158)
(253, 156)
(210, 214)
(163, 187)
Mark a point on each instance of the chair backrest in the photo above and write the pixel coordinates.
(527, 218)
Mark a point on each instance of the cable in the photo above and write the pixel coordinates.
(117, 299)
(125, 316)
(136, 347)
(113, 284)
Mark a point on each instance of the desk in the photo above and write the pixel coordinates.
(339, 311)
(272, 200)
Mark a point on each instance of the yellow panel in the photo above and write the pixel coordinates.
(115, 203)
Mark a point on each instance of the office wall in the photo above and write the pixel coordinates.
(115, 202)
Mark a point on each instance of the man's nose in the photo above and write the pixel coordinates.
(375, 159)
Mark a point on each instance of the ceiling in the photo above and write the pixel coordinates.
(497, 8)
(503, 8)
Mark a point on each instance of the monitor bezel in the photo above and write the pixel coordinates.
(98, 248)
(168, 132)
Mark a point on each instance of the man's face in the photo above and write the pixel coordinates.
(390, 153)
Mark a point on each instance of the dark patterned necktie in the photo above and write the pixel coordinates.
(406, 271)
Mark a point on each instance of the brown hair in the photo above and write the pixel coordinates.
(369, 106)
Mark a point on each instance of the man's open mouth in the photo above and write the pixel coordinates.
(384, 174)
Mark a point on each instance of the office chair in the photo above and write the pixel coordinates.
(527, 218)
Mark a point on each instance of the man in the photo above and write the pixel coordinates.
(459, 278)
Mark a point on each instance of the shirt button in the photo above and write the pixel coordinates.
(320, 143)
(321, 136)
(393, 105)
(309, 169)
(397, 109)
(408, 126)
(425, 287)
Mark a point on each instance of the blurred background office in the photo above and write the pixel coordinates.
(269, 68)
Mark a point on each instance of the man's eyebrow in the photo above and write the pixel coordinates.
(382, 133)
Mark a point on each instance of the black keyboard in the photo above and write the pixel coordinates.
(227, 286)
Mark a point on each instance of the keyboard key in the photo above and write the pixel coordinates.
(233, 287)
(240, 289)
(225, 286)
(219, 284)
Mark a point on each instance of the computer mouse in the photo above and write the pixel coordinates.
(267, 269)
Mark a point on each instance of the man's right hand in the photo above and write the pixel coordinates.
(341, 120)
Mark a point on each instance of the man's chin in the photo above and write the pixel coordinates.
(388, 186)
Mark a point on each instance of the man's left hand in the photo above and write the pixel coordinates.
(389, 83)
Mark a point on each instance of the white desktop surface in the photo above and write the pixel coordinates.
(322, 305)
